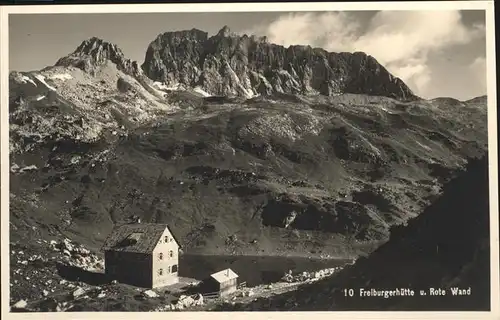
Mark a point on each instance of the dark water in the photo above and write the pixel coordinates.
(254, 270)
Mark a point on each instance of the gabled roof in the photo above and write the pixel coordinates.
(224, 275)
(136, 237)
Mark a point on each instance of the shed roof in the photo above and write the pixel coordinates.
(224, 275)
(136, 237)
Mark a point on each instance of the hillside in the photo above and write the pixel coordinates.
(332, 167)
(445, 247)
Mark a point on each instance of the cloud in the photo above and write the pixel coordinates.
(395, 36)
(478, 71)
(334, 31)
(403, 41)
(416, 75)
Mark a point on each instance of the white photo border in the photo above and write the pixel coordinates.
(488, 6)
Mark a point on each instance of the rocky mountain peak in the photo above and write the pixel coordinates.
(227, 64)
(182, 35)
(224, 32)
(93, 45)
(94, 53)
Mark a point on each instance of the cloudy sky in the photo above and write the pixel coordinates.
(437, 53)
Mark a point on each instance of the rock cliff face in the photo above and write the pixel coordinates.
(232, 65)
(95, 53)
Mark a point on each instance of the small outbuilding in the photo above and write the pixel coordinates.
(142, 254)
(224, 282)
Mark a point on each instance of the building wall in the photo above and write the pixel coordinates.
(129, 267)
(228, 287)
(224, 288)
(209, 285)
(164, 261)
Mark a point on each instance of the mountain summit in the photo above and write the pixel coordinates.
(231, 65)
(94, 53)
(224, 32)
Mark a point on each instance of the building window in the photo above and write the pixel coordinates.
(166, 239)
(170, 253)
(174, 268)
(171, 239)
(160, 272)
(160, 256)
(168, 269)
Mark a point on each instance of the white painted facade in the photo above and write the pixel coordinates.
(165, 260)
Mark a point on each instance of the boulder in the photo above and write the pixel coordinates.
(198, 299)
(21, 304)
(78, 292)
(53, 245)
(150, 294)
(67, 244)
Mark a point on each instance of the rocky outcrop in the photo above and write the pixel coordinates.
(231, 65)
(184, 302)
(309, 276)
(77, 255)
(94, 53)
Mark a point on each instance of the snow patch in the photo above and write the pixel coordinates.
(38, 98)
(386, 110)
(422, 145)
(25, 79)
(163, 86)
(61, 76)
(42, 80)
(202, 92)
(249, 94)
(159, 85)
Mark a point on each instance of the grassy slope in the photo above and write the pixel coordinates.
(349, 166)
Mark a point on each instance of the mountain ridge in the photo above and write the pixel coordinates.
(229, 64)
(93, 53)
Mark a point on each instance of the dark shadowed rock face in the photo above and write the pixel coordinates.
(229, 64)
(446, 247)
(95, 53)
